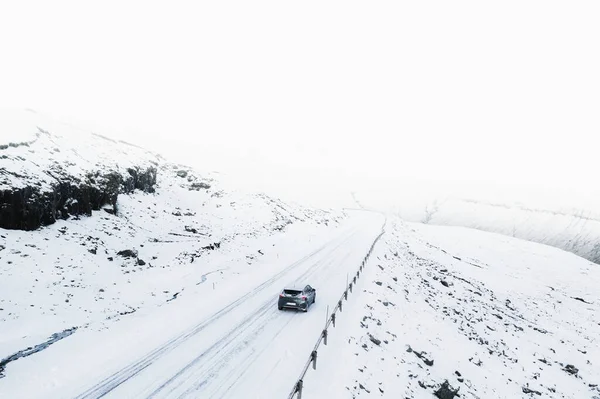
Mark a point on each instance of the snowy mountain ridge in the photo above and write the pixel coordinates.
(576, 231)
(133, 276)
(63, 172)
(565, 223)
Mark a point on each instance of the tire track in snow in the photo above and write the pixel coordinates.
(215, 350)
(239, 329)
(251, 357)
(116, 379)
(223, 360)
(244, 365)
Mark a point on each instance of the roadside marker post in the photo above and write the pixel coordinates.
(299, 389)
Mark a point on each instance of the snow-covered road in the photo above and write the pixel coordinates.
(234, 343)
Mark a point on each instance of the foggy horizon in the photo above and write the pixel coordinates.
(464, 94)
(180, 181)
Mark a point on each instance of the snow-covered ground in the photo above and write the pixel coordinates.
(195, 244)
(173, 293)
(36, 150)
(566, 219)
(70, 274)
(211, 341)
(495, 316)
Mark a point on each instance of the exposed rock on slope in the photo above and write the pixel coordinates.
(157, 232)
(469, 314)
(29, 208)
(61, 171)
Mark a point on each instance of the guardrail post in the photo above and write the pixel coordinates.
(297, 391)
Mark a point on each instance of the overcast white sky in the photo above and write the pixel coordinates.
(328, 90)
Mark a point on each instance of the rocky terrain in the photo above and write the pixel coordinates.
(92, 230)
(452, 312)
(62, 172)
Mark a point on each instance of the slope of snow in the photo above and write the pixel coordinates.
(568, 221)
(494, 316)
(577, 231)
(190, 233)
(44, 148)
(211, 341)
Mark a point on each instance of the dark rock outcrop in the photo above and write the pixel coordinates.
(199, 186)
(531, 391)
(421, 355)
(29, 208)
(374, 340)
(569, 368)
(445, 391)
(128, 253)
(213, 246)
(143, 180)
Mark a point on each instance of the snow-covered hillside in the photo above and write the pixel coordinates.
(125, 275)
(443, 310)
(168, 231)
(36, 150)
(557, 218)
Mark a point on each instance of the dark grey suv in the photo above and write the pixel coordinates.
(297, 299)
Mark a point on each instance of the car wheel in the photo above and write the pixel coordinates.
(315, 298)
(279, 307)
